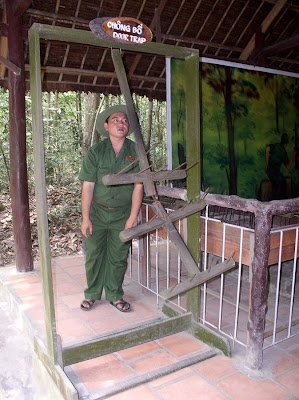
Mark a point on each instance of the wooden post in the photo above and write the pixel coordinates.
(41, 193)
(193, 141)
(146, 251)
(17, 130)
(259, 289)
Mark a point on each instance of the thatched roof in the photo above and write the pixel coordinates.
(258, 32)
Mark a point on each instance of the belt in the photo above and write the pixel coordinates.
(103, 206)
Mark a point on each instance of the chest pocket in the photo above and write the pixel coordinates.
(112, 168)
(102, 171)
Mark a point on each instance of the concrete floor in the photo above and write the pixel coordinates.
(216, 378)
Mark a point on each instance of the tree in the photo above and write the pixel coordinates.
(92, 106)
(148, 132)
(69, 120)
(276, 86)
(221, 79)
(4, 146)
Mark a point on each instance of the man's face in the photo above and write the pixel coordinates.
(117, 125)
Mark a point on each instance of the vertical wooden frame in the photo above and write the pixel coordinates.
(191, 73)
(41, 191)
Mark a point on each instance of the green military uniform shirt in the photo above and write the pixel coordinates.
(101, 160)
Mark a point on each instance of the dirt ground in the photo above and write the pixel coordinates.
(63, 220)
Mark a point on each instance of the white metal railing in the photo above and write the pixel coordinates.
(284, 314)
(154, 262)
(227, 310)
(224, 304)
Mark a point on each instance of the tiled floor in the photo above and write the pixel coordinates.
(217, 378)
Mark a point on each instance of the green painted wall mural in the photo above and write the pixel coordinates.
(242, 113)
(178, 114)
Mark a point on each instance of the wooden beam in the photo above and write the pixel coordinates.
(175, 193)
(152, 27)
(17, 138)
(20, 7)
(85, 23)
(258, 290)
(3, 44)
(14, 68)
(54, 371)
(200, 42)
(65, 86)
(122, 340)
(4, 28)
(115, 179)
(272, 15)
(259, 44)
(93, 73)
(198, 279)
(4, 31)
(290, 5)
(56, 17)
(158, 26)
(264, 27)
(67, 35)
(40, 193)
(148, 183)
(149, 187)
(3, 56)
(280, 46)
(249, 62)
(285, 60)
(193, 89)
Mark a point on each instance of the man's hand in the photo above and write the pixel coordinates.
(86, 199)
(137, 197)
(130, 223)
(86, 228)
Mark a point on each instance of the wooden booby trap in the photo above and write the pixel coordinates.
(56, 356)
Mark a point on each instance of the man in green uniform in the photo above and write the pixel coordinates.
(107, 210)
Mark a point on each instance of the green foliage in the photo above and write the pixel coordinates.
(63, 124)
(4, 146)
(178, 115)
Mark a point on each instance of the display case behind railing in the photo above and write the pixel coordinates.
(224, 237)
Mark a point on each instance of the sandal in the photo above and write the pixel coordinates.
(87, 304)
(121, 305)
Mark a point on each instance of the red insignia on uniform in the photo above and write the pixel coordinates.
(130, 158)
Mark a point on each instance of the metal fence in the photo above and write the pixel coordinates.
(225, 301)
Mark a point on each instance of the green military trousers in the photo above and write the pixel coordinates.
(106, 254)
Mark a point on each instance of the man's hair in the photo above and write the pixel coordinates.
(284, 138)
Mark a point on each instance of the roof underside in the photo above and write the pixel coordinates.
(263, 33)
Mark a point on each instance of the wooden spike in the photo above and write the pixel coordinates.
(184, 163)
(154, 217)
(151, 148)
(160, 169)
(144, 169)
(135, 161)
(205, 193)
(127, 166)
(172, 288)
(192, 165)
